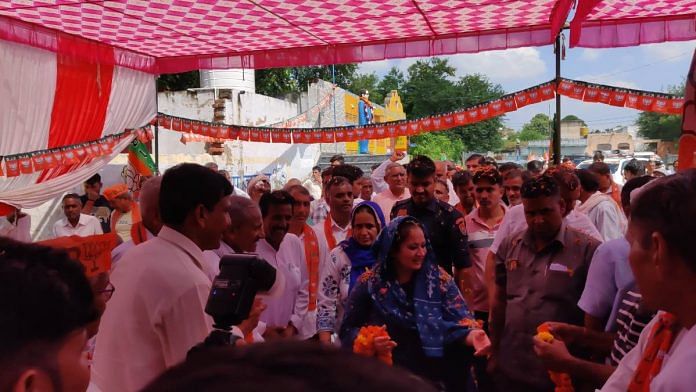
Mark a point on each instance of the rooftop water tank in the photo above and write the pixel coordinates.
(237, 79)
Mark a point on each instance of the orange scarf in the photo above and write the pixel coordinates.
(312, 256)
(138, 231)
(328, 232)
(661, 339)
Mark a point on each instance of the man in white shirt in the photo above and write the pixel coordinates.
(660, 234)
(600, 207)
(157, 312)
(395, 177)
(337, 225)
(379, 182)
(16, 225)
(314, 247)
(314, 183)
(442, 172)
(75, 222)
(284, 315)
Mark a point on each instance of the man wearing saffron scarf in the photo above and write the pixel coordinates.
(336, 227)
(150, 224)
(126, 213)
(314, 246)
(664, 265)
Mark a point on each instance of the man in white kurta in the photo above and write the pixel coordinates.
(284, 315)
(337, 225)
(291, 306)
(157, 312)
(155, 315)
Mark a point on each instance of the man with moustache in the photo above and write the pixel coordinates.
(314, 247)
(157, 312)
(395, 177)
(285, 314)
(540, 273)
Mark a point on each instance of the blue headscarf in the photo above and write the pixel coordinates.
(361, 257)
(437, 309)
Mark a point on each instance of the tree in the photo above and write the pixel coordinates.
(572, 117)
(393, 80)
(661, 126)
(178, 82)
(431, 88)
(437, 146)
(367, 82)
(536, 129)
(276, 82)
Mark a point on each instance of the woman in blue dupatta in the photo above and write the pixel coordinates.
(347, 261)
(420, 305)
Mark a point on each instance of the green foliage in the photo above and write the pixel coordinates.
(276, 82)
(572, 117)
(431, 88)
(178, 82)
(393, 80)
(367, 82)
(661, 126)
(437, 146)
(538, 128)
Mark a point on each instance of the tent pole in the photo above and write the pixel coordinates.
(557, 117)
(156, 129)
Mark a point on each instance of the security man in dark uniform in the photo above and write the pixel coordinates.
(445, 225)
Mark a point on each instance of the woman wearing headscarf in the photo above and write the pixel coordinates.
(428, 322)
(347, 261)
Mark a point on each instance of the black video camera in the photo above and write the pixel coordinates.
(241, 277)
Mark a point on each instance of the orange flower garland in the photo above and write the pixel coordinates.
(364, 343)
(561, 380)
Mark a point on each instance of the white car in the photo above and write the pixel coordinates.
(616, 165)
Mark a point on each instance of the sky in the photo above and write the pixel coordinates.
(653, 67)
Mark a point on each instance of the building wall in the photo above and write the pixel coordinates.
(613, 139)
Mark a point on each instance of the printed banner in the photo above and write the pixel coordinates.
(94, 252)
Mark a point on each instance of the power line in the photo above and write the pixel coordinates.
(640, 66)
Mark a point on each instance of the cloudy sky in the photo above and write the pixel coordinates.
(647, 67)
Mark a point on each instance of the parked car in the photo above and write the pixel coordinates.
(616, 165)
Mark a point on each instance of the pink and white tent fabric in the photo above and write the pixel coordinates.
(618, 23)
(50, 100)
(180, 35)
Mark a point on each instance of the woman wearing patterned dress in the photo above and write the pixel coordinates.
(346, 263)
(430, 327)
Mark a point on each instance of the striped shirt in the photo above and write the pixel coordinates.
(480, 238)
(631, 320)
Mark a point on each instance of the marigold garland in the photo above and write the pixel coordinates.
(364, 343)
(562, 381)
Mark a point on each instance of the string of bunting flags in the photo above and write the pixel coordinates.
(35, 161)
(194, 130)
(587, 92)
(646, 101)
(460, 117)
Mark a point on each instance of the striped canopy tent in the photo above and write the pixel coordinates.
(74, 71)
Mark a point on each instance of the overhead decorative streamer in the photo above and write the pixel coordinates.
(463, 116)
(67, 156)
(584, 91)
(647, 101)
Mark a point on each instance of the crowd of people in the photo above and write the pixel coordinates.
(462, 267)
